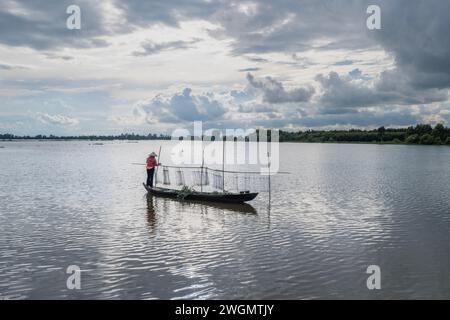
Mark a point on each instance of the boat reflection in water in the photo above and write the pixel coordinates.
(151, 216)
(156, 203)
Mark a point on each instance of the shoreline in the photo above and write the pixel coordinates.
(305, 142)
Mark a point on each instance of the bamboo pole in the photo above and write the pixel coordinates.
(220, 170)
(268, 164)
(157, 161)
(270, 189)
(201, 170)
(223, 164)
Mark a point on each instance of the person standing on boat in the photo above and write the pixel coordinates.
(151, 165)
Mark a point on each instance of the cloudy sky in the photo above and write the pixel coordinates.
(153, 66)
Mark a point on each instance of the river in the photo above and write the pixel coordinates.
(343, 208)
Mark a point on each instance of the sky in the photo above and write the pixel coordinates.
(156, 66)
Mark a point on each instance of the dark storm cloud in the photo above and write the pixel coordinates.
(41, 24)
(414, 32)
(342, 95)
(270, 26)
(146, 13)
(417, 34)
(274, 91)
(280, 26)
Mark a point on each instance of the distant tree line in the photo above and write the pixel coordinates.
(124, 136)
(420, 134)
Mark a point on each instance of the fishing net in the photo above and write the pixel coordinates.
(166, 177)
(217, 178)
(211, 179)
(200, 177)
(158, 176)
(179, 177)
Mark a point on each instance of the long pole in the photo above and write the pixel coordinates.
(268, 163)
(201, 172)
(220, 170)
(270, 191)
(223, 164)
(157, 161)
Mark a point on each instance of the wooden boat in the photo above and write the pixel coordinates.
(244, 208)
(240, 197)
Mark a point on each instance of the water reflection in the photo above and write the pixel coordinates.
(199, 206)
(151, 215)
(206, 207)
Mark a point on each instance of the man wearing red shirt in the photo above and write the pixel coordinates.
(151, 165)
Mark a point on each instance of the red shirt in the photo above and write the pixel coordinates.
(151, 162)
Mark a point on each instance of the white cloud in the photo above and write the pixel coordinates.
(57, 119)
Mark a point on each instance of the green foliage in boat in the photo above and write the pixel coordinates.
(184, 192)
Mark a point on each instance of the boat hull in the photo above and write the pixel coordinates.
(203, 196)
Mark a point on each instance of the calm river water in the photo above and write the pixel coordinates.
(343, 208)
